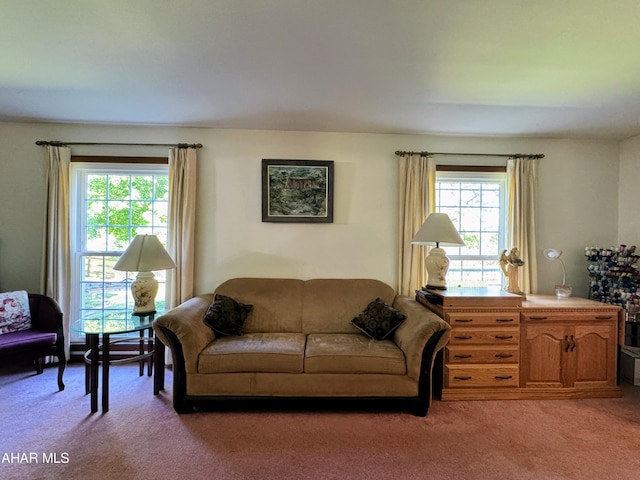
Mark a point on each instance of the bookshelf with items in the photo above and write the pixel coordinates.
(615, 279)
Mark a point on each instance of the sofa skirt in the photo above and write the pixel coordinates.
(301, 385)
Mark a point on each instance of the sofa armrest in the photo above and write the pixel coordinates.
(187, 325)
(414, 333)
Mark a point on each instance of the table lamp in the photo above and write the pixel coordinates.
(563, 290)
(437, 230)
(143, 255)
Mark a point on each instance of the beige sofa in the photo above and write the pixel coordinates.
(298, 341)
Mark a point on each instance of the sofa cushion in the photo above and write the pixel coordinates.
(254, 352)
(378, 320)
(352, 353)
(277, 303)
(227, 316)
(15, 314)
(331, 304)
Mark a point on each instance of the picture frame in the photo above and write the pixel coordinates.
(297, 191)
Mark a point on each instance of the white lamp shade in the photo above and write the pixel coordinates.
(438, 230)
(144, 254)
(552, 253)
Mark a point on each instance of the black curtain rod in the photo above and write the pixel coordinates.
(55, 143)
(534, 156)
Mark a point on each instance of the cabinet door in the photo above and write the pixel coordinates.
(541, 363)
(560, 356)
(595, 355)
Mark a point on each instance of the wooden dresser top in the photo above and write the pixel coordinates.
(497, 298)
(560, 303)
(472, 297)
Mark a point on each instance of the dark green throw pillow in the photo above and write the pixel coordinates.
(226, 317)
(378, 320)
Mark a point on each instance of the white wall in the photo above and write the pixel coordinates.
(629, 207)
(578, 199)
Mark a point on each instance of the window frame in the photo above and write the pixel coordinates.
(80, 170)
(474, 174)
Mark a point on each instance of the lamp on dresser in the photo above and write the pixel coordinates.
(562, 290)
(143, 255)
(437, 230)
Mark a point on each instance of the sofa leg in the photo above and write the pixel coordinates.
(182, 408)
(421, 408)
(420, 411)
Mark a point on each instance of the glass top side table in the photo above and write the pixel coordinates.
(98, 353)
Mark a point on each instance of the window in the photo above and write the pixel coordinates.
(476, 202)
(113, 203)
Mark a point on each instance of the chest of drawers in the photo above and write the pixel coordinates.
(483, 350)
(503, 346)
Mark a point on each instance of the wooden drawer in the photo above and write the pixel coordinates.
(481, 376)
(569, 317)
(485, 336)
(481, 354)
(490, 318)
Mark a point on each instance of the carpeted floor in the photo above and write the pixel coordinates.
(45, 434)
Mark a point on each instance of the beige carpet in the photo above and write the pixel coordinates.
(141, 437)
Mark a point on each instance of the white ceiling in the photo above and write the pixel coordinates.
(552, 68)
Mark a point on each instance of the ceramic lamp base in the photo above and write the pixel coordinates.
(144, 289)
(437, 265)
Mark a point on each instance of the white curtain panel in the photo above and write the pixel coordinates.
(417, 201)
(56, 252)
(522, 178)
(182, 219)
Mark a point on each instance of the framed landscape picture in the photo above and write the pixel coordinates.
(297, 191)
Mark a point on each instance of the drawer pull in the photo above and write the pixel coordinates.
(537, 318)
(608, 317)
(464, 320)
(462, 356)
(570, 343)
(463, 337)
(504, 320)
(504, 337)
(503, 377)
(503, 355)
(463, 378)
